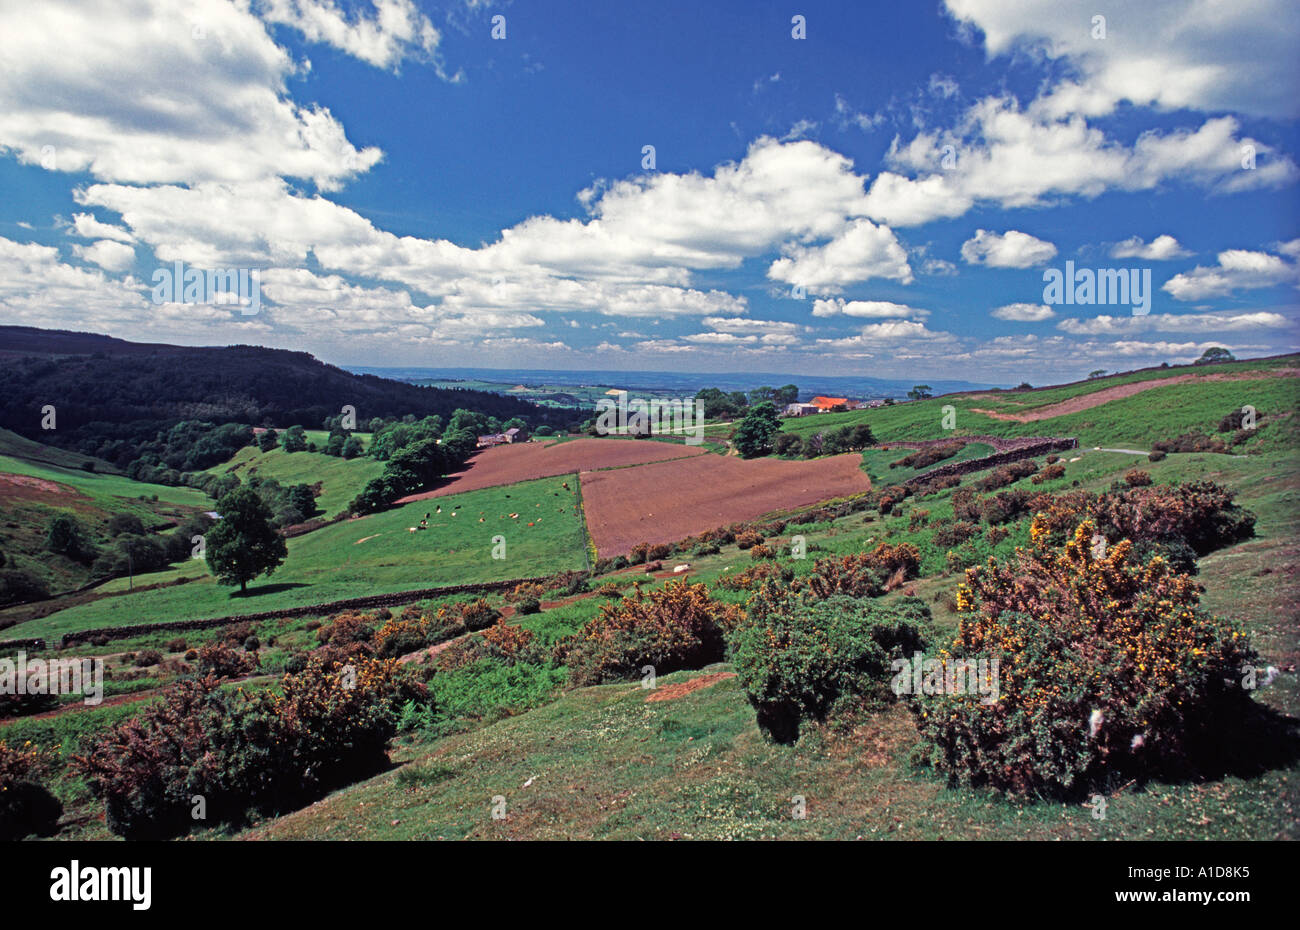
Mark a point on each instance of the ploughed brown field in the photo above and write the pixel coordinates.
(668, 501)
(528, 460)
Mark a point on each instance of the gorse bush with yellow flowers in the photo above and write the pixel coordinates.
(678, 626)
(413, 630)
(221, 660)
(862, 574)
(26, 806)
(1200, 515)
(268, 751)
(1107, 667)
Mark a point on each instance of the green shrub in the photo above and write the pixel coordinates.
(1193, 441)
(800, 659)
(19, 587)
(924, 458)
(1050, 473)
(26, 806)
(950, 535)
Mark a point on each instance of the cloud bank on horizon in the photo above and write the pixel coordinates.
(508, 185)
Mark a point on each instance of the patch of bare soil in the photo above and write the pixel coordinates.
(27, 487)
(683, 688)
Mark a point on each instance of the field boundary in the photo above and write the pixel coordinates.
(999, 443)
(1027, 450)
(394, 599)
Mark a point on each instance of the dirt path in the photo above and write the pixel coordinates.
(683, 688)
(1106, 395)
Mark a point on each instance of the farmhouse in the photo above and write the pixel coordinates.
(827, 404)
(514, 434)
(800, 410)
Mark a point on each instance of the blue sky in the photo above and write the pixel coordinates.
(881, 197)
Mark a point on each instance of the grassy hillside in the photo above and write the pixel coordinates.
(32, 494)
(38, 453)
(370, 555)
(1050, 395)
(877, 462)
(1135, 421)
(603, 763)
(340, 479)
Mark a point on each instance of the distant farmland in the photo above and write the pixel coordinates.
(668, 501)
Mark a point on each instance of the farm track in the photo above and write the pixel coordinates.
(1120, 391)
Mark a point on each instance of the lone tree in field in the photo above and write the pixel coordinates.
(920, 392)
(1215, 354)
(755, 433)
(243, 544)
(1097, 373)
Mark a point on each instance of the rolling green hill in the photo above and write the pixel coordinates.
(32, 493)
(369, 555)
(1135, 421)
(38, 453)
(113, 393)
(604, 762)
(340, 479)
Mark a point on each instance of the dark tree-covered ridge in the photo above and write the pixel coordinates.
(104, 388)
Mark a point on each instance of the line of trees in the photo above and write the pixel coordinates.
(420, 452)
(727, 405)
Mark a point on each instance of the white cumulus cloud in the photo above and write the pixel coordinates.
(1012, 249)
